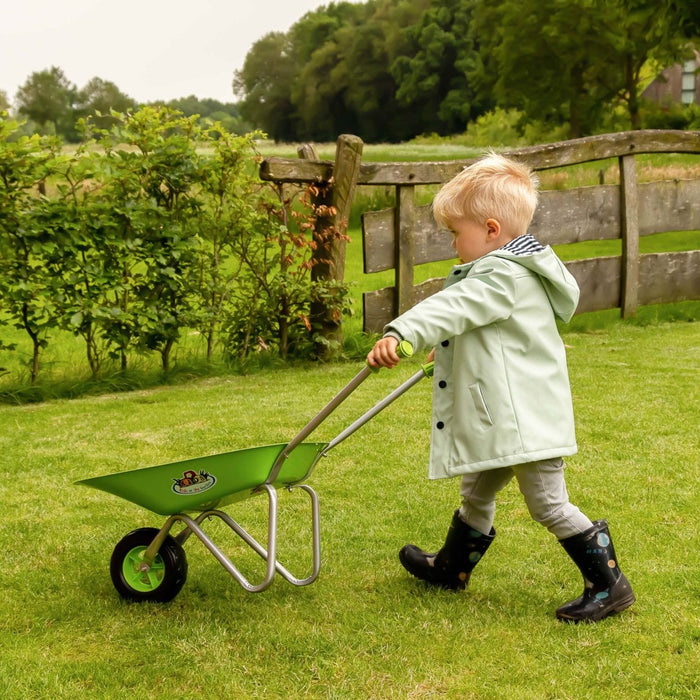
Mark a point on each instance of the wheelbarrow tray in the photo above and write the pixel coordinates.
(208, 482)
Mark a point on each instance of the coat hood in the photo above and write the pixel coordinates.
(559, 284)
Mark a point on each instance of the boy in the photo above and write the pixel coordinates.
(501, 399)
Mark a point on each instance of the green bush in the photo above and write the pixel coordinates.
(508, 128)
(154, 226)
(670, 115)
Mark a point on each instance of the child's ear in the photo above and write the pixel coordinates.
(493, 229)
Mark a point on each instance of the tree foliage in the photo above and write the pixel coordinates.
(331, 74)
(266, 77)
(570, 60)
(100, 97)
(54, 105)
(209, 111)
(389, 70)
(392, 69)
(48, 97)
(27, 287)
(433, 75)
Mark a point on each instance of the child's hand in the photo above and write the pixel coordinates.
(383, 354)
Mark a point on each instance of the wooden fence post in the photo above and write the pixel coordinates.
(307, 151)
(346, 170)
(629, 222)
(404, 252)
(333, 205)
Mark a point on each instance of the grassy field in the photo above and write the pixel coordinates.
(364, 629)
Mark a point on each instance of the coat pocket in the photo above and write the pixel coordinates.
(482, 408)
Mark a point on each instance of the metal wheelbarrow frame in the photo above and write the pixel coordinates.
(149, 564)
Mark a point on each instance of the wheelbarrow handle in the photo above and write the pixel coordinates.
(404, 349)
(425, 371)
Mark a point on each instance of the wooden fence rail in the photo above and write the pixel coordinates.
(406, 235)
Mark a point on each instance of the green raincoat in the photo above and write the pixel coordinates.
(501, 393)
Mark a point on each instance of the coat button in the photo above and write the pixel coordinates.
(442, 383)
(440, 425)
(445, 343)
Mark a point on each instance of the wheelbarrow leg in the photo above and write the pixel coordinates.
(269, 555)
(316, 540)
(193, 526)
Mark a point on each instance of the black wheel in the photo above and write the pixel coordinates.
(162, 582)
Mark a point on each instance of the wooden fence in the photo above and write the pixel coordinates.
(406, 235)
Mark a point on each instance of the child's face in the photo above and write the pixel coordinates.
(471, 240)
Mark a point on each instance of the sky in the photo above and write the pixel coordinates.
(151, 49)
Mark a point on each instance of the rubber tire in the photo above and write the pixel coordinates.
(162, 582)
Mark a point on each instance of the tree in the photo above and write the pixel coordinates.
(320, 43)
(100, 97)
(688, 12)
(211, 111)
(227, 227)
(94, 260)
(28, 292)
(265, 82)
(331, 74)
(538, 56)
(4, 102)
(569, 60)
(640, 31)
(432, 75)
(152, 190)
(48, 98)
(346, 84)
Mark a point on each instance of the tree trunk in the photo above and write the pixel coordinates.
(36, 345)
(575, 128)
(35, 360)
(210, 343)
(165, 355)
(632, 100)
(284, 330)
(92, 354)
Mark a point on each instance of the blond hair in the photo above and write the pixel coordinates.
(494, 187)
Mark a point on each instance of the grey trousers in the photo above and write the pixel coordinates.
(543, 487)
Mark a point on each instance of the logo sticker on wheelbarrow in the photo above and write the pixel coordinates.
(191, 483)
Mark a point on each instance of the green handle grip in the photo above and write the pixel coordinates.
(404, 349)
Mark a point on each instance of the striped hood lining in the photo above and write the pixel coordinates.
(526, 244)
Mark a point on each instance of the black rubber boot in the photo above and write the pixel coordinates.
(606, 589)
(451, 567)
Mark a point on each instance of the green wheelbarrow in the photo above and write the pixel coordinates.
(149, 564)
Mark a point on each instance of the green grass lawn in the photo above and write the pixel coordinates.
(364, 629)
